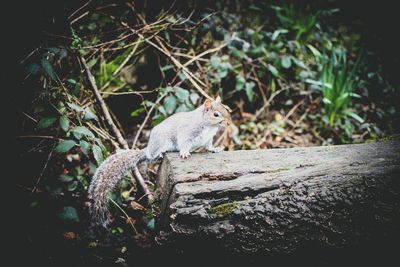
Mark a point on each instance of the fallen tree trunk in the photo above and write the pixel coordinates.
(280, 200)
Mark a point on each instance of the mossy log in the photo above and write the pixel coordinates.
(280, 200)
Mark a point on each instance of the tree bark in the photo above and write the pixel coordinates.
(280, 200)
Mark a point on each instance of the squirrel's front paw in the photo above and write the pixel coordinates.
(216, 149)
(184, 154)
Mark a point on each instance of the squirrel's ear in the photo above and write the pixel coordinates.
(218, 100)
(207, 105)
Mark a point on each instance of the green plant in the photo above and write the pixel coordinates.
(338, 83)
(297, 18)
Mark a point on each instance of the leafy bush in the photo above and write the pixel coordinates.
(338, 83)
(298, 18)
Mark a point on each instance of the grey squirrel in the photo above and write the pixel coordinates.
(183, 132)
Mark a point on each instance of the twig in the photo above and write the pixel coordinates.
(292, 110)
(126, 59)
(79, 9)
(29, 116)
(39, 136)
(29, 55)
(187, 73)
(127, 93)
(102, 104)
(44, 168)
(199, 56)
(259, 84)
(258, 113)
(139, 179)
(126, 215)
(146, 191)
(146, 119)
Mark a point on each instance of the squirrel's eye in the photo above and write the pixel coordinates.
(216, 114)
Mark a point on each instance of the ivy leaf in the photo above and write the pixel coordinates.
(151, 224)
(46, 122)
(240, 81)
(166, 90)
(65, 146)
(182, 108)
(277, 33)
(72, 186)
(170, 104)
(64, 123)
(85, 147)
(89, 115)
(273, 70)
(222, 73)
(79, 131)
(75, 107)
(66, 178)
(69, 214)
(71, 81)
(286, 62)
(194, 97)
(33, 68)
(181, 94)
(249, 90)
(161, 109)
(48, 69)
(97, 153)
(215, 61)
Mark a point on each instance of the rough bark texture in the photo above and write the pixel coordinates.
(281, 200)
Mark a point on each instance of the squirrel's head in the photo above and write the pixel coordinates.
(216, 113)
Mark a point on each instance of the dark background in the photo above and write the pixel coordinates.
(25, 28)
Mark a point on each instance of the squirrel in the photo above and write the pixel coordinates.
(183, 132)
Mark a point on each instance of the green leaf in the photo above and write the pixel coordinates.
(249, 90)
(314, 51)
(71, 81)
(137, 112)
(72, 186)
(181, 94)
(273, 70)
(194, 97)
(46, 122)
(33, 68)
(240, 81)
(48, 69)
(170, 104)
(162, 110)
(69, 214)
(354, 116)
(89, 115)
(81, 130)
(182, 108)
(166, 89)
(151, 224)
(64, 123)
(277, 33)
(66, 178)
(167, 67)
(222, 73)
(75, 107)
(97, 153)
(85, 147)
(286, 62)
(215, 61)
(65, 146)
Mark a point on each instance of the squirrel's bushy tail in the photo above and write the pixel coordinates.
(106, 177)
